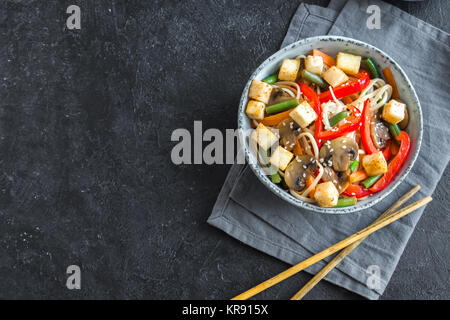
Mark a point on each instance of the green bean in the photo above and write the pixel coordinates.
(282, 106)
(371, 67)
(395, 130)
(354, 165)
(314, 78)
(276, 178)
(345, 202)
(338, 117)
(370, 181)
(271, 79)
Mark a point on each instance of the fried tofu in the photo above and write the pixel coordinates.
(289, 70)
(335, 76)
(260, 91)
(264, 137)
(281, 158)
(314, 64)
(393, 111)
(348, 63)
(303, 114)
(326, 194)
(374, 164)
(255, 110)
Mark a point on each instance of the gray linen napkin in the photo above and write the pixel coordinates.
(248, 211)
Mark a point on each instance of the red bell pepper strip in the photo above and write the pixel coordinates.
(393, 167)
(396, 163)
(345, 128)
(314, 100)
(366, 137)
(348, 88)
(312, 96)
(387, 153)
(355, 190)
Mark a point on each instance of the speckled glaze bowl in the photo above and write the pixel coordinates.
(332, 45)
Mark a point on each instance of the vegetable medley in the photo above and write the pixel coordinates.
(337, 126)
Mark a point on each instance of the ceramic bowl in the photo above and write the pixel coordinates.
(332, 45)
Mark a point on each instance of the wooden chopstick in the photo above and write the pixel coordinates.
(334, 248)
(341, 255)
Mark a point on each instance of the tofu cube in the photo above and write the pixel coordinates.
(281, 158)
(314, 64)
(393, 111)
(374, 164)
(303, 114)
(289, 69)
(260, 91)
(255, 110)
(348, 63)
(335, 76)
(264, 137)
(326, 194)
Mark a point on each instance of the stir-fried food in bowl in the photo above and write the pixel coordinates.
(331, 129)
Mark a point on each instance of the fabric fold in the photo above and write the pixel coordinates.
(249, 212)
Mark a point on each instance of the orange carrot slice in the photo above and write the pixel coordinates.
(347, 100)
(357, 176)
(298, 148)
(390, 79)
(276, 118)
(309, 182)
(329, 61)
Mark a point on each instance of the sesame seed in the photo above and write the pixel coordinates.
(344, 147)
(331, 150)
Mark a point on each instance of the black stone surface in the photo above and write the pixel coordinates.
(86, 118)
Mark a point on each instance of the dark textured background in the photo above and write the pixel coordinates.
(85, 174)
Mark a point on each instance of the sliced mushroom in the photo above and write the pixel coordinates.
(340, 179)
(339, 153)
(278, 95)
(298, 170)
(287, 130)
(379, 132)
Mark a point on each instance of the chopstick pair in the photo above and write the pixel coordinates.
(346, 251)
(349, 244)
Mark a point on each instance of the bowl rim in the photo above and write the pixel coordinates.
(283, 194)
